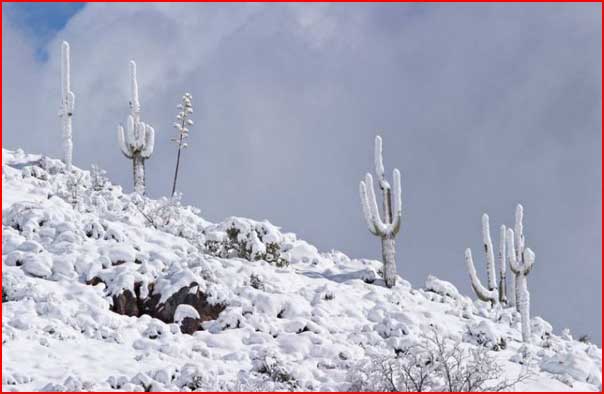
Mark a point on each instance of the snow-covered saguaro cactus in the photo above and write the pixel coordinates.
(521, 261)
(503, 286)
(67, 105)
(388, 227)
(492, 293)
(137, 140)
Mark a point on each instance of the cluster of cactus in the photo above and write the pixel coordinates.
(388, 227)
(137, 139)
(521, 259)
(136, 142)
(67, 105)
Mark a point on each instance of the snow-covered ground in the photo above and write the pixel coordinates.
(271, 312)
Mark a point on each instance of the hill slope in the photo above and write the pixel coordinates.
(236, 305)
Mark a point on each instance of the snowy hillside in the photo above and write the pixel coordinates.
(103, 290)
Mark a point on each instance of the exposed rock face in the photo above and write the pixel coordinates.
(130, 304)
(126, 304)
(190, 295)
(190, 325)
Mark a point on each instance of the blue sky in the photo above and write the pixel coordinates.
(480, 106)
(41, 21)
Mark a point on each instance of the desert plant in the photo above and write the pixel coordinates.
(67, 106)
(492, 293)
(137, 140)
(388, 228)
(182, 128)
(521, 261)
(435, 363)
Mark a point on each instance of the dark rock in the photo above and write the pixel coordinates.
(129, 304)
(190, 325)
(197, 299)
(126, 303)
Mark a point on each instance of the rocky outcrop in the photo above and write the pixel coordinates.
(129, 304)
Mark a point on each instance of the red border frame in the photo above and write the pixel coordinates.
(317, 1)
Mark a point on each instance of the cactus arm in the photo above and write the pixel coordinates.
(121, 138)
(398, 202)
(515, 265)
(366, 208)
(519, 231)
(529, 260)
(373, 206)
(482, 293)
(149, 142)
(488, 248)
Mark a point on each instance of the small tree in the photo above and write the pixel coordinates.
(182, 128)
(98, 177)
(436, 363)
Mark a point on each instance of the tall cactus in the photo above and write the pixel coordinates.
(521, 261)
(492, 293)
(388, 228)
(137, 141)
(503, 287)
(67, 105)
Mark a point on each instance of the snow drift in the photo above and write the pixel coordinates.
(104, 290)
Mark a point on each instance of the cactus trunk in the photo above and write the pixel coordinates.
(138, 169)
(524, 304)
(389, 258)
(67, 106)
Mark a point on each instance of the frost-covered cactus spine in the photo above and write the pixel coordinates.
(137, 141)
(67, 105)
(492, 293)
(521, 261)
(388, 228)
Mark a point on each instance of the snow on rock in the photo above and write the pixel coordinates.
(574, 363)
(442, 287)
(117, 292)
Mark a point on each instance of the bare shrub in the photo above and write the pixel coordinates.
(436, 363)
